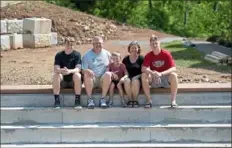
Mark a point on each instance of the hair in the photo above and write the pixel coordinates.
(97, 38)
(154, 37)
(134, 43)
(116, 54)
(69, 40)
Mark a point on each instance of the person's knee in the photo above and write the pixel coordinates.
(56, 77)
(144, 76)
(127, 81)
(76, 77)
(87, 77)
(107, 75)
(173, 76)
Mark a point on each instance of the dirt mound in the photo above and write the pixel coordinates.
(70, 23)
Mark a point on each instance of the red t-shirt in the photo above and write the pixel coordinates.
(120, 71)
(160, 62)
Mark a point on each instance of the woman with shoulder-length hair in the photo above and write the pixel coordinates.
(133, 63)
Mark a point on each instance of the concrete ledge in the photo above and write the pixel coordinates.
(42, 89)
(125, 145)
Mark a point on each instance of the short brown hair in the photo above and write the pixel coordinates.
(134, 43)
(154, 37)
(69, 40)
(116, 53)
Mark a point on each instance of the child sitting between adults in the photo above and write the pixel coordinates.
(119, 73)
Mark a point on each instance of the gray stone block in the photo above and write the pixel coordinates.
(219, 54)
(36, 40)
(15, 26)
(53, 38)
(5, 42)
(37, 25)
(16, 41)
(211, 58)
(3, 26)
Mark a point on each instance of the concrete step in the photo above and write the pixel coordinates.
(116, 133)
(132, 145)
(47, 100)
(161, 115)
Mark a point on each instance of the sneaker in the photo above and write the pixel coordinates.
(90, 104)
(123, 102)
(57, 104)
(78, 104)
(102, 103)
(174, 104)
(110, 103)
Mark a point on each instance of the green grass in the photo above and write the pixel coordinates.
(192, 58)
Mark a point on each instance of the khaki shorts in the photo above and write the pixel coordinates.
(164, 83)
(97, 82)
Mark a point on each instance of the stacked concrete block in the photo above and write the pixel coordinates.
(3, 26)
(37, 25)
(211, 58)
(16, 41)
(36, 40)
(15, 26)
(38, 33)
(219, 54)
(54, 38)
(5, 42)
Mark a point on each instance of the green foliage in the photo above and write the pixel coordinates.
(199, 18)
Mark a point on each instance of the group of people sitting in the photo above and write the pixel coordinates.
(99, 68)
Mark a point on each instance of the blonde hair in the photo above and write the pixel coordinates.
(154, 37)
(116, 54)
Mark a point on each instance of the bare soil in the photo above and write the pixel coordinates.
(35, 66)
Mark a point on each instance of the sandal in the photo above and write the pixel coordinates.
(130, 104)
(148, 105)
(135, 104)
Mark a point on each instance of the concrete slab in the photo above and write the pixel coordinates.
(37, 25)
(15, 26)
(5, 42)
(36, 40)
(47, 100)
(115, 133)
(212, 58)
(54, 38)
(16, 41)
(121, 145)
(157, 115)
(219, 54)
(3, 27)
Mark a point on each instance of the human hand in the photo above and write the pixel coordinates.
(89, 72)
(65, 71)
(156, 74)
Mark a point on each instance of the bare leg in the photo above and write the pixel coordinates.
(173, 79)
(88, 81)
(146, 89)
(120, 90)
(135, 85)
(56, 79)
(111, 92)
(77, 83)
(127, 86)
(106, 83)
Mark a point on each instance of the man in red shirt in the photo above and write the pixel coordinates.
(159, 71)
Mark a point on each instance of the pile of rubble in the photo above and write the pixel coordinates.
(27, 33)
